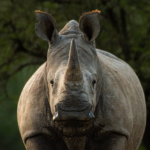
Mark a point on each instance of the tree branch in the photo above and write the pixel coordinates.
(23, 66)
(21, 48)
(123, 22)
(122, 37)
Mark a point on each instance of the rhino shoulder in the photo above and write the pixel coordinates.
(32, 106)
(107, 54)
(114, 65)
(121, 74)
(122, 96)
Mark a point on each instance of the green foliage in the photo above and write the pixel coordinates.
(9, 128)
(142, 147)
(125, 32)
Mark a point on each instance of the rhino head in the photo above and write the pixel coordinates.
(73, 70)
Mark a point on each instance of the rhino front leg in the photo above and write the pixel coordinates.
(114, 142)
(39, 143)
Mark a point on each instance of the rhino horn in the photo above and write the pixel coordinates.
(73, 71)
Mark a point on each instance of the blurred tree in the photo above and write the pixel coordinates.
(125, 32)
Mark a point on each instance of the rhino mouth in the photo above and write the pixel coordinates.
(73, 109)
(73, 117)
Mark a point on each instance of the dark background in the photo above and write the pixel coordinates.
(125, 32)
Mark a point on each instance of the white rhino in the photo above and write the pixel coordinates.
(81, 98)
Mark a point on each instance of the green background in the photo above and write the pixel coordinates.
(125, 32)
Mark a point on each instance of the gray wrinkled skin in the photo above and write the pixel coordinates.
(81, 98)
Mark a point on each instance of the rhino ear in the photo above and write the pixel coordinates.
(89, 25)
(46, 28)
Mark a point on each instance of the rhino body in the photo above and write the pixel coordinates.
(58, 108)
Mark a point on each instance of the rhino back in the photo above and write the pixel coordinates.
(122, 102)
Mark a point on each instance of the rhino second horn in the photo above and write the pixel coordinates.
(73, 71)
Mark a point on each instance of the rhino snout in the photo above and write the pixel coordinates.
(73, 116)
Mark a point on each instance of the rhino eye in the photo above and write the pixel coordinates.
(52, 82)
(94, 82)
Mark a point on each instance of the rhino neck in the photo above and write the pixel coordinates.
(76, 142)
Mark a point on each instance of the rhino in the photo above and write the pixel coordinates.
(81, 98)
